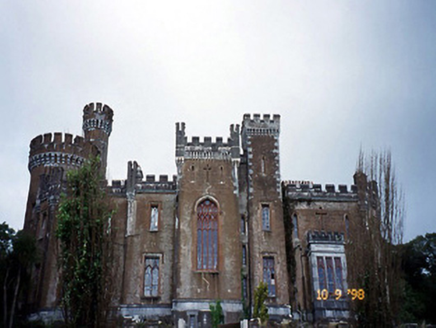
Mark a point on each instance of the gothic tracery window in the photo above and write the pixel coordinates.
(321, 273)
(207, 235)
(266, 221)
(151, 277)
(269, 275)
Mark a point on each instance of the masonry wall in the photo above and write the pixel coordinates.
(208, 179)
(144, 242)
(314, 210)
(260, 142)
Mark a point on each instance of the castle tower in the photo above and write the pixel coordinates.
(264, 212)
(97, 127)
(208, 257)
(51, 156)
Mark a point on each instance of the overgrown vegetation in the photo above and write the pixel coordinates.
(419, 266)
(260, 310)
(288, 209)
(216, 312)
(85, 258)
(18, 253)
(373, 259)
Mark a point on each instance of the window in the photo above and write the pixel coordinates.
(244, 287)
(244, 255)
(192, 321)
(266, 217)
(338, 273)
(242, 224)
(330, 275)
(207, 235)
(295, 224)
(321, 273)
(42, 226)
(154, 217)
(269, 275)
(151, 276)
(347, 226)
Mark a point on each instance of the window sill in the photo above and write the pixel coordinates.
(147, 298)
(207, 271)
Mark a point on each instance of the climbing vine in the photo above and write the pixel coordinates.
(83, 232)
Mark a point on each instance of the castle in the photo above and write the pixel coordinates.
(214, 231)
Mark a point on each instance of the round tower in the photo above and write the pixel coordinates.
(51, 155)
(97, 127)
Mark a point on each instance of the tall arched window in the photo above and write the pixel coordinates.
(207, 235)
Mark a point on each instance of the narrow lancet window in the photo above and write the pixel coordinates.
(266, 224)
(154, 218)
(207, 235)
(151, 277)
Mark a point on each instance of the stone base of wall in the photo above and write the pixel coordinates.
(47, 315)
(279, 312)
(196, 314)
(182, 313)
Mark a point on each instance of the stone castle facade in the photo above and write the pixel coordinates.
(224, 223)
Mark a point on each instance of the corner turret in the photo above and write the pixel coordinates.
(97, 127)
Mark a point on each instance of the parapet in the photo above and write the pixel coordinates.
(117, 187)
(306, 190)
(207, 148)
(57, 149)
(256, 125)
(135, 181)
(97, 116)
(323, 237)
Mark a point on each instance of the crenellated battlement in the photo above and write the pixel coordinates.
(323, 237)
(206, 148)
(93, 108)
(261, 125)
(56, 140)
(306, 190)
(97, 116)
(56, 149)
(265, 118)
(135, 182)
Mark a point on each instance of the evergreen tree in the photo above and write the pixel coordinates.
(260, 310)
(18, 253)
(217, 315)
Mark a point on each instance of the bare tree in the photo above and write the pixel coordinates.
(374, 262)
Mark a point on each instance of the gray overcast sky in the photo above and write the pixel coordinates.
(342, 74)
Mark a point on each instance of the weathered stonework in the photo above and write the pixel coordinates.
(213, 231)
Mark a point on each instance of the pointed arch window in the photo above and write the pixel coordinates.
(207, 235)
(151, 276)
